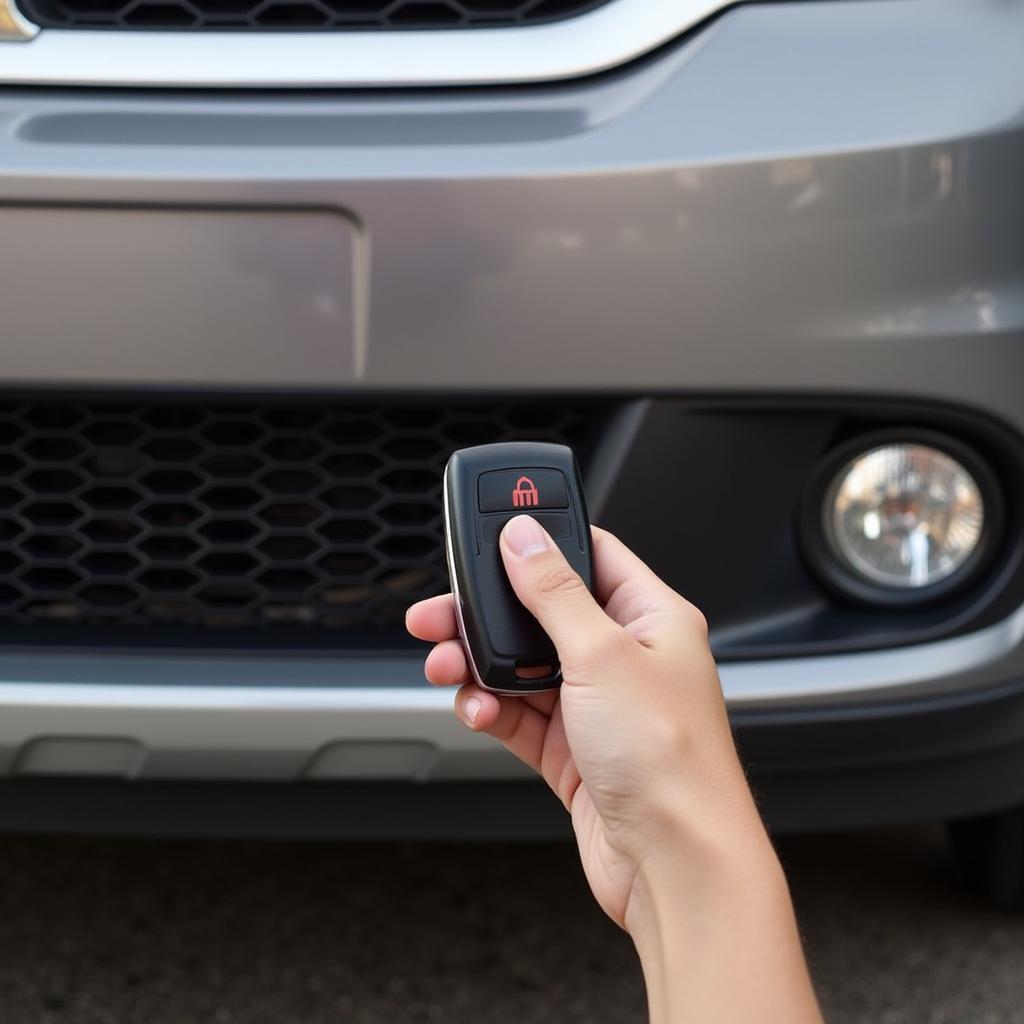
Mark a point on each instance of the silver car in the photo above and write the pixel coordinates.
(265, 263)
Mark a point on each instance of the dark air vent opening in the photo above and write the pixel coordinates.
(215, 524)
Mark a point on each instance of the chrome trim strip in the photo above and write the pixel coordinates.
(14, 26)
(142, 697)
(974, 661)
(603, 38)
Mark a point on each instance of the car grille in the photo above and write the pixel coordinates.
(192, 522)
(277, 15)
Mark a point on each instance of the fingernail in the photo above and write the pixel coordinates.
(471, 708)
(525, 537)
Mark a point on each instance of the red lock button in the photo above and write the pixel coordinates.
(520, 490)
(525, 494)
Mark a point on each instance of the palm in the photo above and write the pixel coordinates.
(609, 875)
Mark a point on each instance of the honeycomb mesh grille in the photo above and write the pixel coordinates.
(306, 15)
(207, 518)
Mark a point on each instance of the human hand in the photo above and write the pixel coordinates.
(636, 743)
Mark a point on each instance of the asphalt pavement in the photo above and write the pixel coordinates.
(146, 932)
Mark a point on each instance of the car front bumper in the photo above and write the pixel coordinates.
(798, 200)
(235, 766)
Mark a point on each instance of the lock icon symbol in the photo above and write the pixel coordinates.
(524, 494)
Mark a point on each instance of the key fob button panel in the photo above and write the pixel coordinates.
(521, 490)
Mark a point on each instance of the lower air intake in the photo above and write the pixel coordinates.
(190, 520)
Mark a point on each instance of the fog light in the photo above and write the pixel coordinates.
(904, 517)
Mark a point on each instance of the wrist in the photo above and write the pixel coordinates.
(704, 909)
(698, 836)
(706, 873)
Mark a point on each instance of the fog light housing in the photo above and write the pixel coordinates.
(903, 521)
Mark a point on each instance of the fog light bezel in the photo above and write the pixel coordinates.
(842, 579)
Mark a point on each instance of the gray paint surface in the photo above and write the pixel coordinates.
(810, 197)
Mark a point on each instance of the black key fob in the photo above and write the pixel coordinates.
(484, 488)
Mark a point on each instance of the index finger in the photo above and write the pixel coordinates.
(433, 619)
(616, 565)
(628, 588)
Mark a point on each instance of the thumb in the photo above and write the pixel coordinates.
(554, 592)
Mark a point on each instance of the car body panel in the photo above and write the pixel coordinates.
(807, 199)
